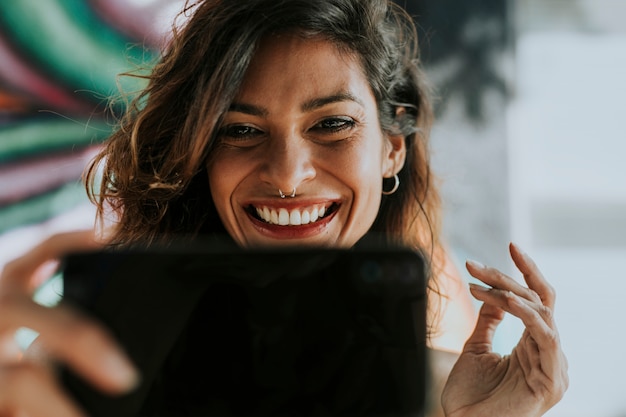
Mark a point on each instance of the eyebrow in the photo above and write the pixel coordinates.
(248, 109)
(310, 105)
(316, 103)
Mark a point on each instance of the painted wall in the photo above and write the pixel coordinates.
(59, 61)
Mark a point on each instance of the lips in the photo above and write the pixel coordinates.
(283, 216)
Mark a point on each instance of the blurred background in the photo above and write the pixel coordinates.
(528, 143)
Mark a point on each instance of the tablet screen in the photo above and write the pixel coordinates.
(232, 332)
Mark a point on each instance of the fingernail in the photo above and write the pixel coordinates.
(477, 287)
(475, 264)
(121, 371)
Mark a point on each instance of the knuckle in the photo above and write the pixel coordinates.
(508, 296)
(534, 296)
(546, 313)
(552, 340)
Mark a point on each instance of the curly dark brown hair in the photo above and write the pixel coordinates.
(154, 178)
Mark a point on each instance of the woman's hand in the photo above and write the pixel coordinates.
(27, 385)
(534, 377)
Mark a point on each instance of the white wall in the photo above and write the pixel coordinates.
(567, 147)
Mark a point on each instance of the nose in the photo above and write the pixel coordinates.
(288, 164)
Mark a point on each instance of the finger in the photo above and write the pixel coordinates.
(496, 279)
(19, 273)
(30, 390)
(44, 272)
(543, 352)
(76, 340)
(481, 339)
(503, 298)
(10, 351)
(532, 275)
(544, 334)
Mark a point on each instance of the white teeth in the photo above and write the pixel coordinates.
(296, 217)
(283, 217)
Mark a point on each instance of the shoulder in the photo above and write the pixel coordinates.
(452, 314)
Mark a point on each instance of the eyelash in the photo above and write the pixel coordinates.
(240, 132)
(329, 126)
(339, 124)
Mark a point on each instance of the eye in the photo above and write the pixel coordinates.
(239, 131)
(334, 124)
(240, 135)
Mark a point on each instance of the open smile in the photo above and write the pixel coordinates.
(292, 216)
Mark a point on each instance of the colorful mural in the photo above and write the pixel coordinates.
(59, 66)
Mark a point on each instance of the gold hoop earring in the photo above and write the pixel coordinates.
(396, 184)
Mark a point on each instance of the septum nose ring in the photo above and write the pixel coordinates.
(283, 195)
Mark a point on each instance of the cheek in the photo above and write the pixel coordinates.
(363, 173)
(222, 181)
(367, 164)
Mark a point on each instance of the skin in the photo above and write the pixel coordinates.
(534, 376)
(27, 383)
(345, 169)
(305, 118)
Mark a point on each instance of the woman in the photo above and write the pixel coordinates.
(291, 122)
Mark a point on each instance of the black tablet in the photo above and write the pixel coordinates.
(220, 331)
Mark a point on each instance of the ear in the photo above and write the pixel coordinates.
(395, 149)
(395, 155)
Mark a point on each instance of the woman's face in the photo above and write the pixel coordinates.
(305, 119)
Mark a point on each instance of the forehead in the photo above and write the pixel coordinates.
(301, 44)
(289, 63)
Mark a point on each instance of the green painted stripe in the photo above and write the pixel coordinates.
(37, 137)
(68, 40)
(42, 207)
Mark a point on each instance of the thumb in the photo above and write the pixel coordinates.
(488, 320)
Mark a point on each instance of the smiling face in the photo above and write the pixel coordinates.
(304, 119)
